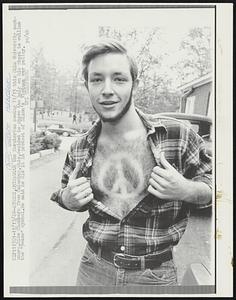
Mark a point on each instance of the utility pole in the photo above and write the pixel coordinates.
(74, 92)
(37, 88)
(35, 115)
(36, 96)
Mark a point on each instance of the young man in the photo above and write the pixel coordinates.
(136, 174)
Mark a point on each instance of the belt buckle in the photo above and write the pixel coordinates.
(114, 259)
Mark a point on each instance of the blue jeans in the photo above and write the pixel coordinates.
(94, 270)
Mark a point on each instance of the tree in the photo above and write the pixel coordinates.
(154, 85)
(195, 52)
(57, 91)
(38, 67)
(43, 84)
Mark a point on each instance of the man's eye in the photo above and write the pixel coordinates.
(119, 79)
(96, 80)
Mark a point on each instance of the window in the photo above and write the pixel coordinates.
(190, 105)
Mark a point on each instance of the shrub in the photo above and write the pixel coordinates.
(51, 141)
(34, 148)
(36, 142)
(39, 141)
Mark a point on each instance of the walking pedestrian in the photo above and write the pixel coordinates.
(74, 119)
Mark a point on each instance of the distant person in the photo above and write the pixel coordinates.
(137, 176)
(74, 119)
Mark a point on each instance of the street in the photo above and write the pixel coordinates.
(56, 243)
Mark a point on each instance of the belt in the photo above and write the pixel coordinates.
(125, 261)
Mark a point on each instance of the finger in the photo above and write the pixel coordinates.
(158, 179)
(156, 193)
(81, 188)
(164, 162)
(77, 181)
(82, 195)
(86, 200)
(80, 183)
(75, 172)
(161, 172)
(156, 185)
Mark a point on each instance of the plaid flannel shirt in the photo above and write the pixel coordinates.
(154, 225)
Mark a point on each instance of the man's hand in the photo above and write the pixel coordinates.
(77, 193)
(168, 183)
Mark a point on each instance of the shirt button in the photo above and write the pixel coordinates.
(122, 248)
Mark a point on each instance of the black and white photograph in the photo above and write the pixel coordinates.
(111, 129)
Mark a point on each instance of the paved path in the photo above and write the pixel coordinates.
(56, 234)
(50, 224)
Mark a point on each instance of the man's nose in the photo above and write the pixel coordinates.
(107, 90)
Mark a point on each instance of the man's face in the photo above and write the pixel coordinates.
(110, 86)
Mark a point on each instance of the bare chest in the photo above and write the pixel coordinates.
(120, 174)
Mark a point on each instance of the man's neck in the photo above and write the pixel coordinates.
(129, 123)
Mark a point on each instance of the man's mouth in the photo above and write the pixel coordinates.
(108, 103)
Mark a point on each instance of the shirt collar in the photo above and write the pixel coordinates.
(94, 131)
(151, 122)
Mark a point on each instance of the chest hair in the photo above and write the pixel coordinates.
(120, 173)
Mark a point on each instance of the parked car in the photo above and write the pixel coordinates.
(203, 126)
(199, 123)
(61, 130)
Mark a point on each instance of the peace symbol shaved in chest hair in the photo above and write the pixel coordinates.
(121, 176)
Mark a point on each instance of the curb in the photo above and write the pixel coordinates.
(41, 153)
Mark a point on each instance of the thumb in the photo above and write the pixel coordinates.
(74, 174)
(164, 162)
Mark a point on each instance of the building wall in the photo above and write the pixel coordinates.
(202, 95)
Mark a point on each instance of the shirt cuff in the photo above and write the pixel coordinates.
(204, 178)
(208, 180)
(57, 197)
